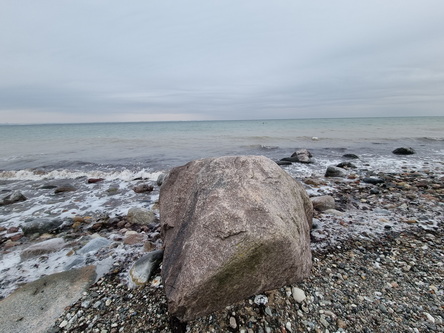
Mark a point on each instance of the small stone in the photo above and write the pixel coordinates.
(261, 300)
(429, 317)
(298, 295)
(233, 323)
(288, 326)
(341, 323)
(63, 324)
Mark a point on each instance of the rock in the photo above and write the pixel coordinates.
(301, 156)
(298, 294)
(346, 165)
(35, 306)
(142, 269)
(133, 237)
(232, 228)
(40, 226)
(94, 245)
(351, 156)
(161, 178)
(373, 180)
(283, 162)
(12, 198)
(95, 180)
(48, 246)
(12, 230)
(65, 188)
(333, 171)
(323, 203)
(404, 151)
(143, 188)
(140, 216)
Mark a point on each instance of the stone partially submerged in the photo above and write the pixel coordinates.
(232, 227)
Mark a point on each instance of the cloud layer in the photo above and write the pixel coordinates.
(88, 61)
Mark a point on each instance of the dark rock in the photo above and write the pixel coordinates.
(65, 188)
(12, 230)
(300, 156)
(351, 156)
(404, 151)
(232, 228)
(95, 180)
(143, 188)
(333, 171)
(142, 269)
(283, 162)
(14, 197)
(40, 226)
(373, 180)
(346, 165)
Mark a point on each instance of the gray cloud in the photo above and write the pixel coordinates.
(148, 60)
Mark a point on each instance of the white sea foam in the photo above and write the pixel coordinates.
(36, 175)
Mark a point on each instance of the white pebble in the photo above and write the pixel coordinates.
(63, 324)
(429, 317)
(260, 299)
(288, 326)
(298, 295)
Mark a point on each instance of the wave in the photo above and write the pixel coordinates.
(125, 174)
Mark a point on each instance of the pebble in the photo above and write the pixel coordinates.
(298, 295)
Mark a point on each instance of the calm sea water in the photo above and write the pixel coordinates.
(162, 145)
(36, 158)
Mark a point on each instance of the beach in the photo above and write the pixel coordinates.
(378, 256)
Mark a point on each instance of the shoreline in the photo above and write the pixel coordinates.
(366, 217)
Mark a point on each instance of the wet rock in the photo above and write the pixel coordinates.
(346, 165)
(323, 203)
(41, 226)
(94, 245)
(232, 227)
(12, 198)
(283, 162)
(142, 269)
(12, 230)
(333, 171)
(161, 178)
(48, 246)
(351, 156)
(95, 180)
(373, 180)
(143, 188)
(404, 151)
(141, 216)
(65, 188)
(133, 237)
(35, 306)
(301, 156)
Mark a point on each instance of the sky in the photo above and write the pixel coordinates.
(144, 60)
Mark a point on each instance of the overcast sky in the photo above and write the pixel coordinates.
(94, 61)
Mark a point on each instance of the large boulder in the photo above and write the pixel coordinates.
(232, 227)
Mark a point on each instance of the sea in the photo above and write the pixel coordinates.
(36, 158)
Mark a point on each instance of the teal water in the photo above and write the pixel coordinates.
(167, 144)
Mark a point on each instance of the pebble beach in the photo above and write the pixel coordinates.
(377, 267)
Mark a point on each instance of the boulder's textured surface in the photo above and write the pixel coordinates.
(14, 197)
(232, 227)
